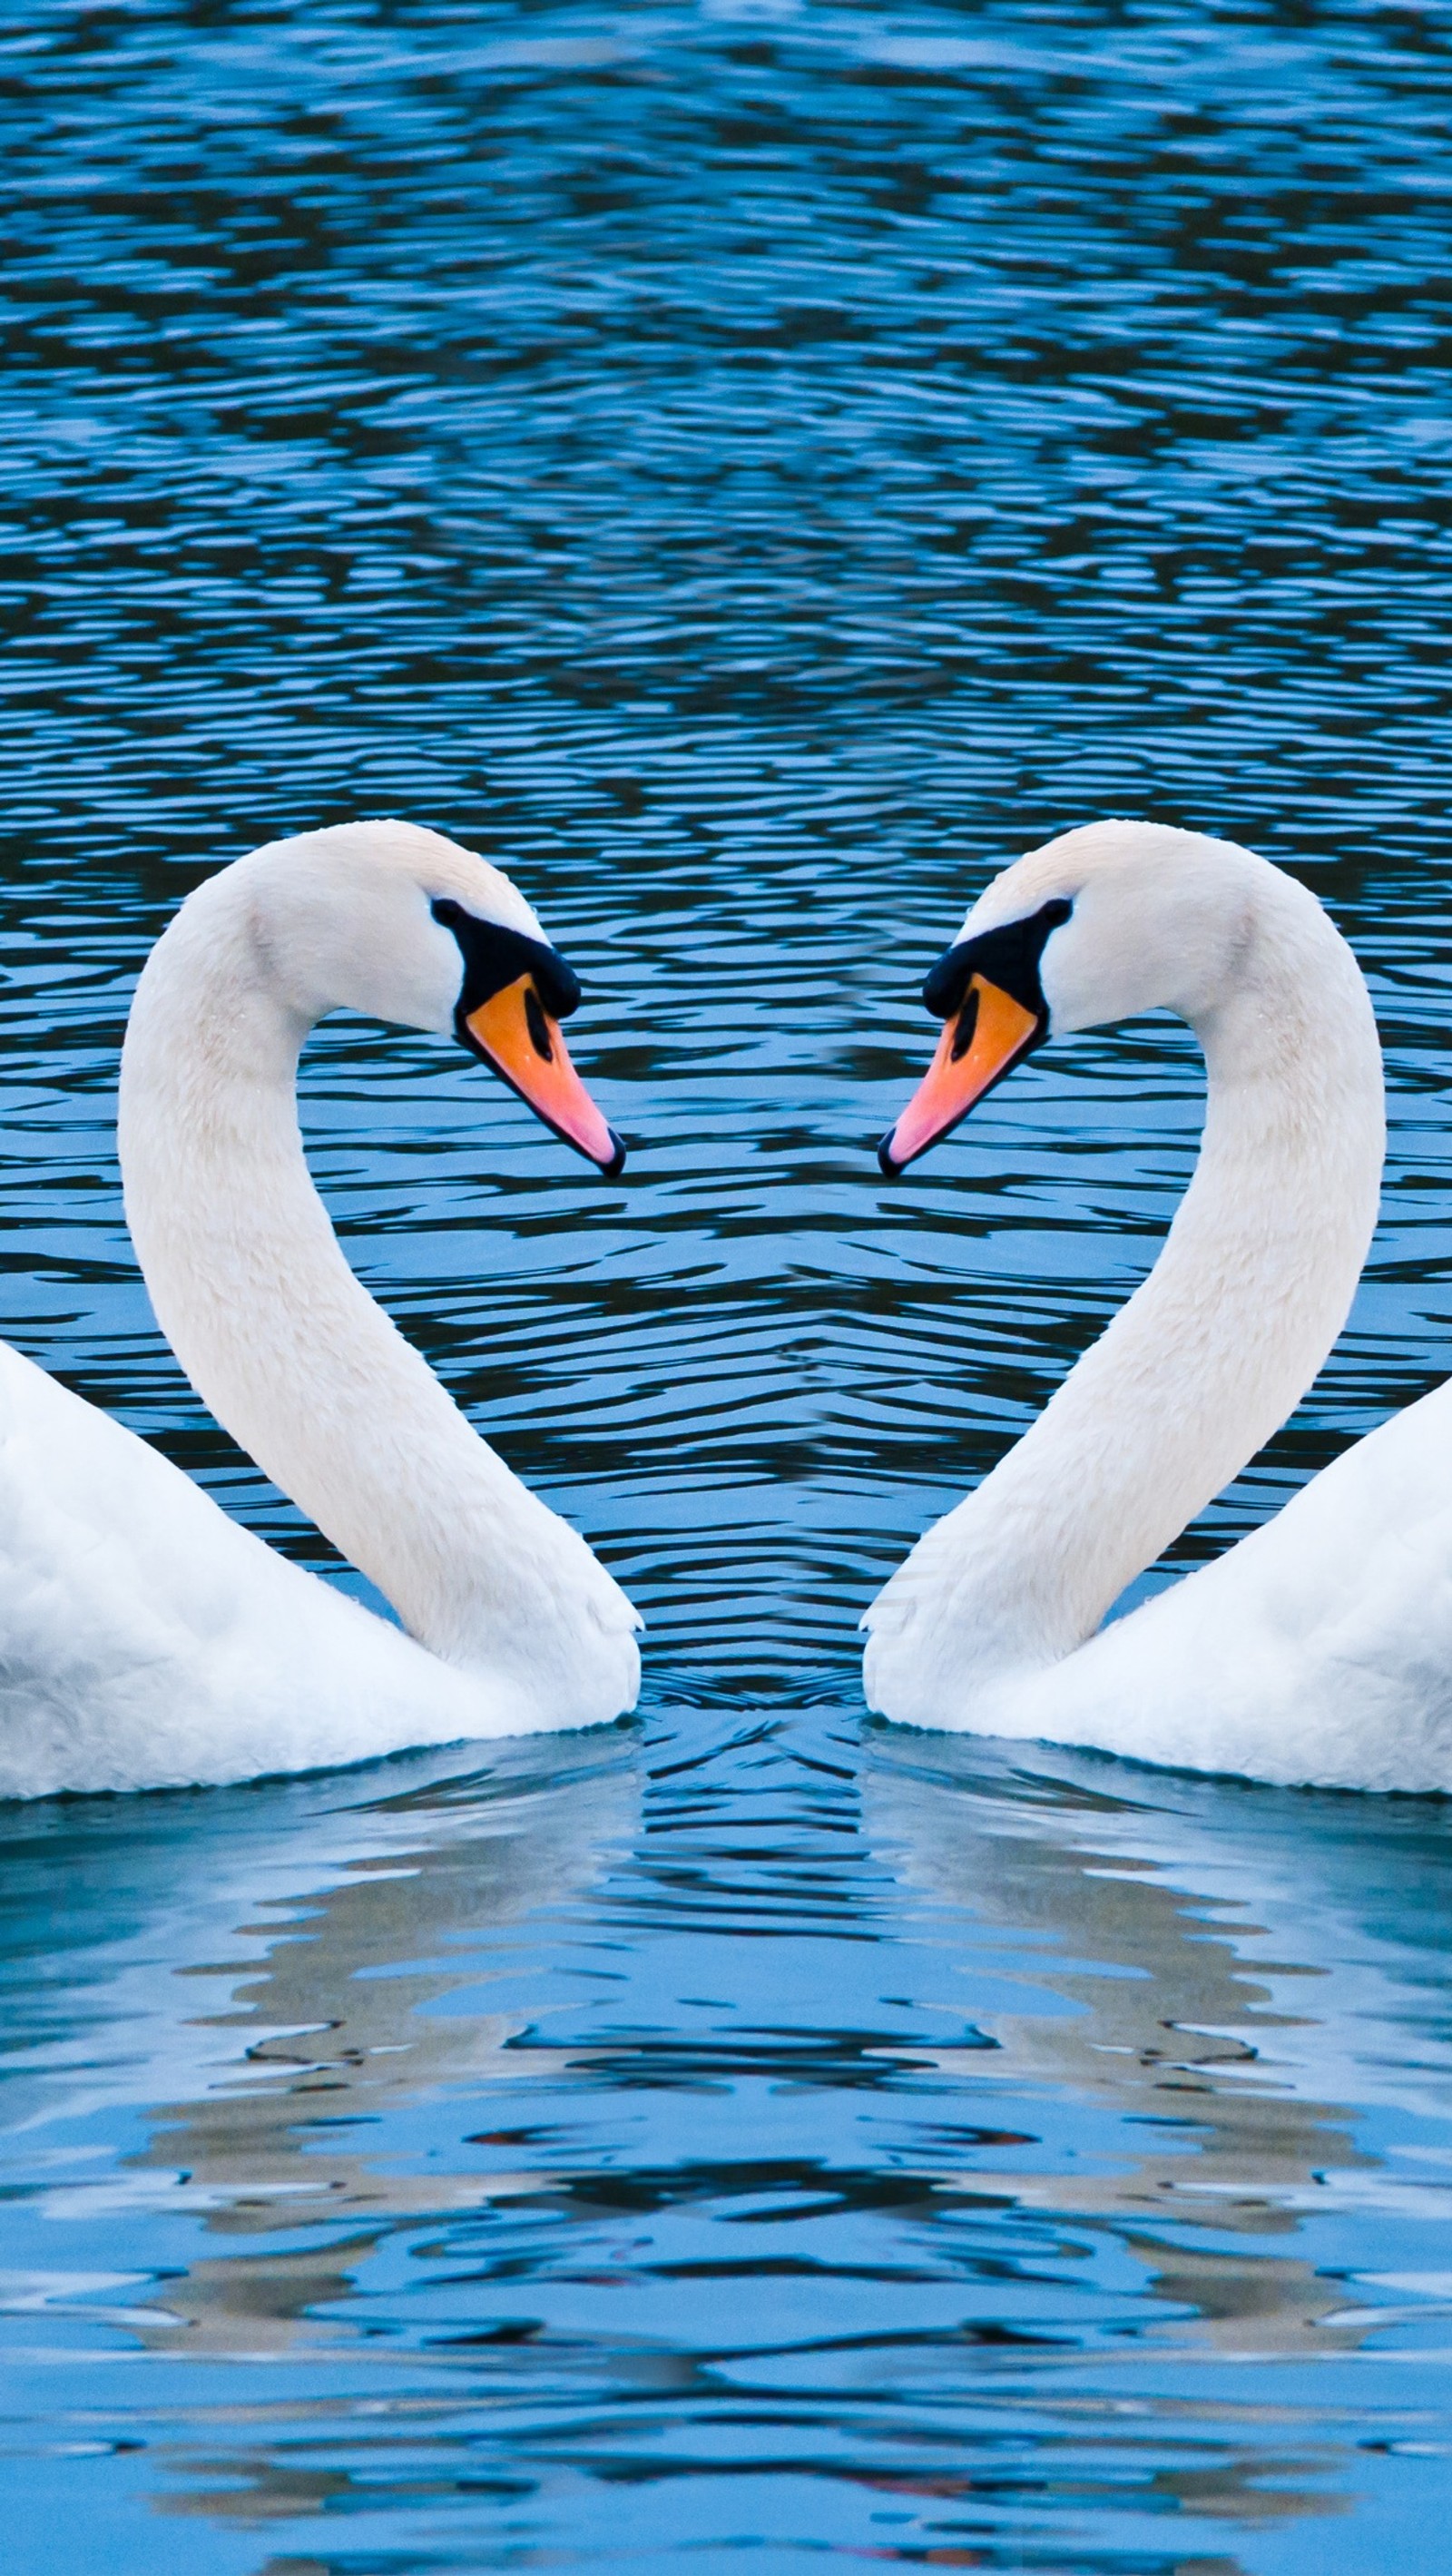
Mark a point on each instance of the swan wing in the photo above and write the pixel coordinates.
(147, 1640)
(1316, 1651)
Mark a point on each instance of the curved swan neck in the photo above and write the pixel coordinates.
(1223, 1338)
(277, 1335)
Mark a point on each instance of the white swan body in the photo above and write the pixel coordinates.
(147, 1640)
(1320, 1648)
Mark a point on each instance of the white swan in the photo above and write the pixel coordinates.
(1320, 1648)
(146, 1639)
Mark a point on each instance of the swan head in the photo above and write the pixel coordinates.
(402, 925)
(1100, 925)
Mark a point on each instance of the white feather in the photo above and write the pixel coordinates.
(147, 1640)
(1320, 1648)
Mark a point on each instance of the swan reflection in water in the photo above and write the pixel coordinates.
(1213, 2014)
(1227, 1981)
(308, 1965)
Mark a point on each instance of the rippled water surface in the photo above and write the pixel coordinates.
(751, 470)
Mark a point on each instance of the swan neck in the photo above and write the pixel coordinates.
(1219, 1344)
(277, 1335)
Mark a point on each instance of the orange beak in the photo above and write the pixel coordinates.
(980, 1044)
(514, 1030)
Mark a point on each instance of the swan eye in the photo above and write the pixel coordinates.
(1010, 957)
(495, 957)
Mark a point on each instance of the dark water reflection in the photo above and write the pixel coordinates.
(919, 2158)
(750, 469)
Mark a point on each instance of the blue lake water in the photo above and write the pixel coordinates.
(751, 470)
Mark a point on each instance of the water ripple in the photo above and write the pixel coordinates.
(751, 469)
